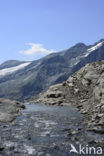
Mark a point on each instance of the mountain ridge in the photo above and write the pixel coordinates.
(38, 75)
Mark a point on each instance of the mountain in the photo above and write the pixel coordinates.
(25, 80)
(10, 63)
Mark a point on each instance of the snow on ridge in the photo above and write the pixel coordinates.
(75, 61)
(95, 47)
(10, 70)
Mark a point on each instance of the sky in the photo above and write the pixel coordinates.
(31, 29)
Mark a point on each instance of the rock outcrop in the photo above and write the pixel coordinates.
(84, 90)
(9, 110)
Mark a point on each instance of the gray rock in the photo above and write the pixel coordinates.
(9, 110)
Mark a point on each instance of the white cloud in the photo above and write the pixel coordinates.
(36, 49)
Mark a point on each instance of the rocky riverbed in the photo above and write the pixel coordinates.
(43, 130)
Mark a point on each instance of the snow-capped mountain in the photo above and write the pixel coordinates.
(24, 80)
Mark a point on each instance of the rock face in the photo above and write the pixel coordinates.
(24, 80)
(9, 110)
(84, 90)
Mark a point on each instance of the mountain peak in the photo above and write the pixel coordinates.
(102, 40)
(80, 44)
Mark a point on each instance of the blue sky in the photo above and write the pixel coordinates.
(30, 29)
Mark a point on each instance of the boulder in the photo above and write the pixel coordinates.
(9, 110)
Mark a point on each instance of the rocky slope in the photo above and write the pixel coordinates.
(9, 110)
(24, 80)
(84, 90)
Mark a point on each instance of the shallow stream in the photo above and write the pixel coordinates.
(43, 130)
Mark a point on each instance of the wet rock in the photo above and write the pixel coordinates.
(94, 141)
(74, 132)
(14, 123)
(97, 130)
(74, 138)
(22, 106)
(1, 149)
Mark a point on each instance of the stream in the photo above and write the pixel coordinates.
(43, 130)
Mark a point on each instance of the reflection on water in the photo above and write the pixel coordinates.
(60, 110)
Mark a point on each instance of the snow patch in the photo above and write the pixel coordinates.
(10, 70)
(95, 47)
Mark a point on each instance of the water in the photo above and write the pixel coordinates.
(60, 110)
(43, 131)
